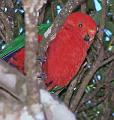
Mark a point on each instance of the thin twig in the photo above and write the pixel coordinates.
(107, 61)
(94, 104)
(72, 85)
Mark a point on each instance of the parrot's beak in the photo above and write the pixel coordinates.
(87, 37)
(92, 34)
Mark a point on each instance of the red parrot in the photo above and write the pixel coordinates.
(67, 51)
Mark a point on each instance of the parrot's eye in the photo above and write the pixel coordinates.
(87, 37)
(80, 25)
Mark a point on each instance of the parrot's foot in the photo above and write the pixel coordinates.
(42, 76)
(41, 59)
(50, 85)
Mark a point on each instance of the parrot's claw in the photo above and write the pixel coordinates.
(41, 59)
(42, 76)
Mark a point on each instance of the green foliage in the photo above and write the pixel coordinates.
(19, 42)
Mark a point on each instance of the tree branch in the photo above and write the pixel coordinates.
(12, 80)
(76, 100)
(31, 48)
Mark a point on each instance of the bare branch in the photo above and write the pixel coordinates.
(76, 100)
(102, 20)
(31, 47)
(12, 81)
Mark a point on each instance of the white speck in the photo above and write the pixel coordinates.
(94, 81)
(21, 10)
(5, 9)
(110, 48)
(16, 10)
(98, 77)
(20, 30)
(85, 63)
(107, 39)
(89, 101)
(75, 88)
(48, 21)
(47, 32)
(3, 46)
(58, 9)
(89, 66)
(98, 112)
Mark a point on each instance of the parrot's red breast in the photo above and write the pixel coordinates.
(67, 51)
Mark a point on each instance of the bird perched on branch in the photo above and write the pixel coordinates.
(66, 52)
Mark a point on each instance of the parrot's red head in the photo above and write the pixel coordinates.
(82, 23)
